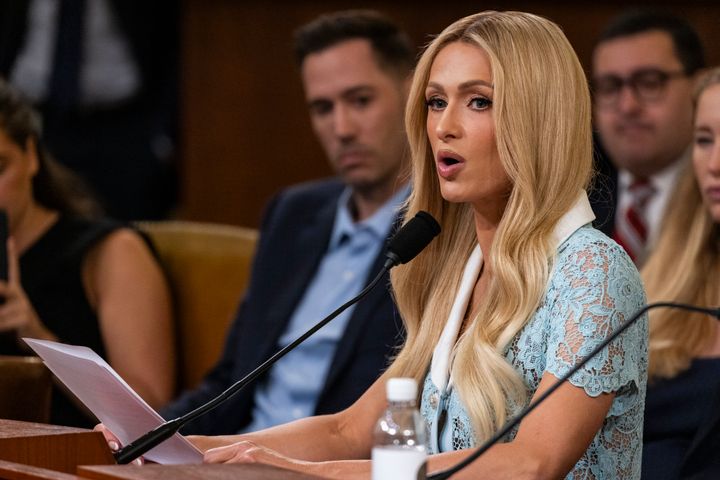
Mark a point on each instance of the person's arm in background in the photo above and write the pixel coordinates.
(127, 288)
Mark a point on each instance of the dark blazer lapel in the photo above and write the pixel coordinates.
(612, 208)
(603, 195)
(312, 239)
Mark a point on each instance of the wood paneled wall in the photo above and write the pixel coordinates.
(245, 132)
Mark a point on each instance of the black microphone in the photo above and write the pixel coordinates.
(443, 474)
(411, 239)
(415, 235)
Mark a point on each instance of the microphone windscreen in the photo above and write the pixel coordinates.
(413, 237)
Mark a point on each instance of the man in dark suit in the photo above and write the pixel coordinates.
(644, 67)
(104, 76)
(322, 242)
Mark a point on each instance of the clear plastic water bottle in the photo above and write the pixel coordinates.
(399, 439)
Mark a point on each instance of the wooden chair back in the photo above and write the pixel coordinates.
(25, 389)
(208, 267)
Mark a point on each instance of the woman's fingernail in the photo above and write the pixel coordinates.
(138, 461)
(113, 445)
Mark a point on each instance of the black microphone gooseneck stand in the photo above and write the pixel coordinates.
(158, 435)
(408, 242)
(509, 425)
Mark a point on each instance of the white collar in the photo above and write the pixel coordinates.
(579, 214)
(664, 184)
(663, 180)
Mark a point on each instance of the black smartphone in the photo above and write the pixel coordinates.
(3, 246)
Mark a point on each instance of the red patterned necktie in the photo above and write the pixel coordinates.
(631, 230)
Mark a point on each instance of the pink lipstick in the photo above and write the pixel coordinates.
(448, 164)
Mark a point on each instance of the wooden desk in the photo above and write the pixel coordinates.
(190, 472)
(35, 451)
(17, 471)
(52, 447)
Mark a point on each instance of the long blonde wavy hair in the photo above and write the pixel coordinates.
(684, 267)
(541, 109)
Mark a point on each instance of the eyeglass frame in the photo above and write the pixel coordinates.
(632, 81)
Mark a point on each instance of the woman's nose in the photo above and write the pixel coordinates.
(447, 125)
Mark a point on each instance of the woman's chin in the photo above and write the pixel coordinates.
(453, 195)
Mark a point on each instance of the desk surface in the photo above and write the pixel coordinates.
(33, 451)
(190, 472)
(18, 471)
(14, 428)
(52, 447)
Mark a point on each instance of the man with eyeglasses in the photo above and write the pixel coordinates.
(644, 66)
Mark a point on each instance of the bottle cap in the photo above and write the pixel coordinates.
(401, 389)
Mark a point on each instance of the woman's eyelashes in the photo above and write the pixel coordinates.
(480, 103)
(435, 103)
(475, 102)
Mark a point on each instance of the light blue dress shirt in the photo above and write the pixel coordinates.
(292, 387)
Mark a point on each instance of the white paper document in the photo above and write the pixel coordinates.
(113, 402)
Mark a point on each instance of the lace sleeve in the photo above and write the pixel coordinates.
(594, 289)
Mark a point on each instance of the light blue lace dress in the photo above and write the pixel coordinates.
(593, 288)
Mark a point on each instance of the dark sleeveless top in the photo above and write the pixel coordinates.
(51, 275)
(680, 414)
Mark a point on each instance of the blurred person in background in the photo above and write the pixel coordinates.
(643, 71)
(682, 414)
(75, 276)
(322, 242)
